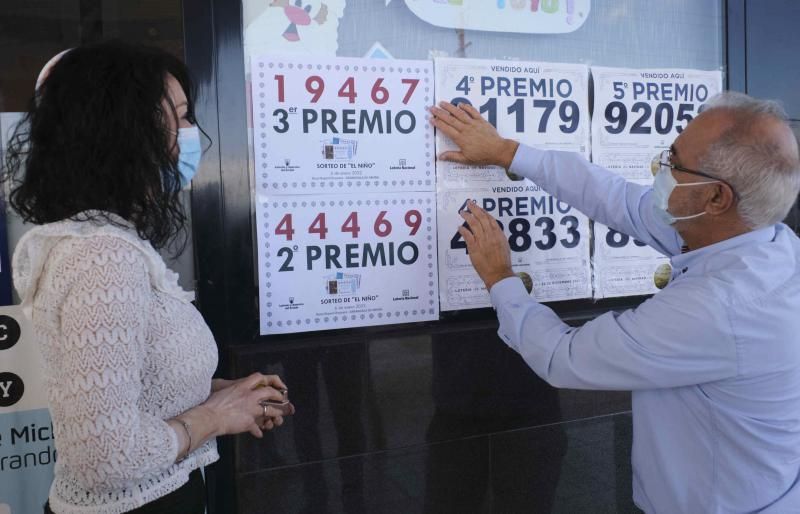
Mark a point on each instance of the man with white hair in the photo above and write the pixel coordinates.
(713, 360)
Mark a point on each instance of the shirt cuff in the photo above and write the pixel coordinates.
(511, 301)
(508, 290)
(527, 162)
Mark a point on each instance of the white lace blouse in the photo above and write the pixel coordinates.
(124, 350)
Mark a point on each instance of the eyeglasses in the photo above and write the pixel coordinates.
(663, 161)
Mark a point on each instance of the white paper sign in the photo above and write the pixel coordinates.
(526, 16)
(549, 242)
(342, 125)
(545, 105)
(346, 260)
(638, 113)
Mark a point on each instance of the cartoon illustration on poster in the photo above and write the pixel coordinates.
(292, 26)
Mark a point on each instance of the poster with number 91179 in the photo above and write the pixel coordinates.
(341, 125)
(545, 105)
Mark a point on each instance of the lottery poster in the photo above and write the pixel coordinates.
(548, 239)
(637, 114)
(341, 125)
(544, 105)
(345, 261)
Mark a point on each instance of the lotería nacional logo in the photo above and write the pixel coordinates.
(402, 165)
(405, 295)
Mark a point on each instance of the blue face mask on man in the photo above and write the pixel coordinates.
(663, 186)
(190, 152)
(665, 183)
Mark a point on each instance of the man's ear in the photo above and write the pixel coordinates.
(721, 199)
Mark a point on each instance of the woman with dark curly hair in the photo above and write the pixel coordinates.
(98, 163)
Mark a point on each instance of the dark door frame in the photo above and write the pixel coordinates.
(736, 45)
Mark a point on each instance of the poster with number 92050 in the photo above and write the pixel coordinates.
(637, 114)
(640, 112)
(341, 125)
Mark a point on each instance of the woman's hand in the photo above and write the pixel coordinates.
(238, 406)
(220, 383)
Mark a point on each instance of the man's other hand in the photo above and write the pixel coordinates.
(487, 245)
(478, 141)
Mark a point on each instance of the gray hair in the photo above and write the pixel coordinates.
(766, 178)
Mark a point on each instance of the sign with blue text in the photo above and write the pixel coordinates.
(524, 16)
(27, 452)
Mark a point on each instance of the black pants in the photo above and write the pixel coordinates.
(189, 499)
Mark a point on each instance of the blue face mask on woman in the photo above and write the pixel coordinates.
(190, 152)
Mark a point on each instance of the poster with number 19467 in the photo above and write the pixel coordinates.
(341, 125)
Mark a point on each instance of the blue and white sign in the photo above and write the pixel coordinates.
(27, 452)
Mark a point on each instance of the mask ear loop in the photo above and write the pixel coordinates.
(699, 183)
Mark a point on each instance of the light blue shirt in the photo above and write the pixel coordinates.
(713, 360)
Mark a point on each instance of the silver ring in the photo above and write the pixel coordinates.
(264, 421)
